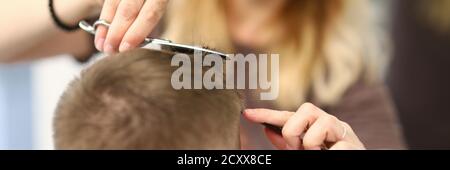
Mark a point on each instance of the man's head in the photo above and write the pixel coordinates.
(126, 101)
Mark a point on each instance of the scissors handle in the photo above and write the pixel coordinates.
(92, 29)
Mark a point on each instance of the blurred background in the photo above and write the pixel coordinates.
(414, 33)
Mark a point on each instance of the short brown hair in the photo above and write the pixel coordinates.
(126, 101)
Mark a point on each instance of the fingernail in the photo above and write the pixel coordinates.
(124, 47)
(99, 44)
(109, 49)
(249, 111)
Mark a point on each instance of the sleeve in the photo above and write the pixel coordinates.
(369, 110)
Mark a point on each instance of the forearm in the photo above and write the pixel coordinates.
(78, 44)
(28, 24)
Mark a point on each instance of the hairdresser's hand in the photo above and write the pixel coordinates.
(131, 22)
(309, 128)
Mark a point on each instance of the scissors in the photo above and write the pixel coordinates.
(162, 43)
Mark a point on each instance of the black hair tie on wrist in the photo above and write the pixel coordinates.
(58, 22)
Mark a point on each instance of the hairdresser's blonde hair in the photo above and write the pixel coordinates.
(323, 53)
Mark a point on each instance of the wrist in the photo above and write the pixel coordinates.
(71, 12)
(91, 8)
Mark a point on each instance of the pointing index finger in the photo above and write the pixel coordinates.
(268, 116)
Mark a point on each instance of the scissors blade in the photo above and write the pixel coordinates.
(163, 43)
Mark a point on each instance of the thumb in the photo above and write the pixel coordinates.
(276, 139)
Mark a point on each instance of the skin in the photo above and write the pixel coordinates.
(310, 122)
(33, 34)
(255, 23)
(132, 20)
